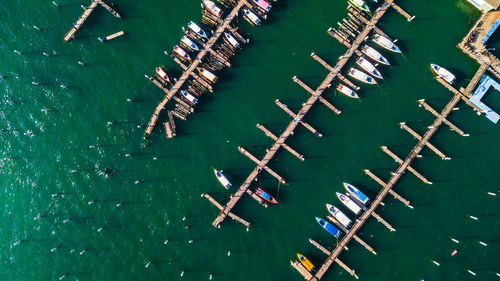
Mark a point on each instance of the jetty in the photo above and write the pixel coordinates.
(86, 13)
(213, 54)
(297, 120)
(404, 165)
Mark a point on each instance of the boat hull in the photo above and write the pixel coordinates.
(443, 73)
(369, 67)
(361, 76)
(339, 215)
(329, 227)
(347, 91)
(305, 262)
(385, 43)
(356, 193)
(266, 196)
(351, 205)
(374, 55)
(222, 179)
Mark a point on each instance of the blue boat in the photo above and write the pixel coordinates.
(356, 193)
(328, 227)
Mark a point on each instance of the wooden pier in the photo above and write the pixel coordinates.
(190, 70)
(86, 13)
(298, 118)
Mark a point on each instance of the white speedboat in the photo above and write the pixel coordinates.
(374, 55)
(368, 67)
(186, 41)
(385, 43)
(443, 73)
(222, 179)
(338, 215)
(351, 205)
(212, 8)
(361, 76)
(347, 91)
(251, 17)
(197, 29)
(356, 193)
(179, 51)
(189, 97)
(229, 38)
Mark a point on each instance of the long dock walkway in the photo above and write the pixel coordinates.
(185, 75)
(81, 20)
(297, 118)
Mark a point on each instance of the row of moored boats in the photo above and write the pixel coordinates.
(193, 42)
(355, 201)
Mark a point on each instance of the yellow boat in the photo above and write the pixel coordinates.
(305, 262)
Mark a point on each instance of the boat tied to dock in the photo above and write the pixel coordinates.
(369, 67)
(329, 227)
(212, 8)
(266, 196)
(347, 91)
(252, 18)
(385, 43)
(197, 29)
(187, 43)
(374, 55)
(361, 76)
(339, 215)
(356, 193)
(351, 205)
(443, 73)
(360, 4)
(181, 53)
(305, 262)
(162, 73)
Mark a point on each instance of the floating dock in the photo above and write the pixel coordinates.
(86, 13)
(112, 36)
(297, 119)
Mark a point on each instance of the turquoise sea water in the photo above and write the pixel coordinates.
(48, 131)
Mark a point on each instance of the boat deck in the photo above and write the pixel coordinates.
(485, 84)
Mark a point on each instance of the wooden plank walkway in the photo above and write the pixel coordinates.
(418, 137)
(81, 20)
(186, 74)
(297, 118)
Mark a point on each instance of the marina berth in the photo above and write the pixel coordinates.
(385, 43)
(266, 196)
(368, 67)
(189, 97)
(356, 193)
(339, 215)
(347, 91)
(252, 18)
(305, 262)
(374, 55)
(328, 227)
(351, 205)
(197, 29)
(442, 72)
(212, 8)
(181, 53)
(361, 76)
(187, 43)
(360, 4)
(222, 179)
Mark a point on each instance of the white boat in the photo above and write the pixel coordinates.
(361, 76)
(385, 43)
(360, 4)
(374, 55)
(443, 73)
(178, 50)
(189, 97)
(209, 76)
(347, 91)
(369, 67)
(189, 43)
(351, 205)
(222, 179)
(231, 40)
(356, 193)
(251, 16)
(338, 215)
(197, 29)
(212, 8)
(160, 71)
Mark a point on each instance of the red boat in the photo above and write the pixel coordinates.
(454, 253)
(266, 196)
